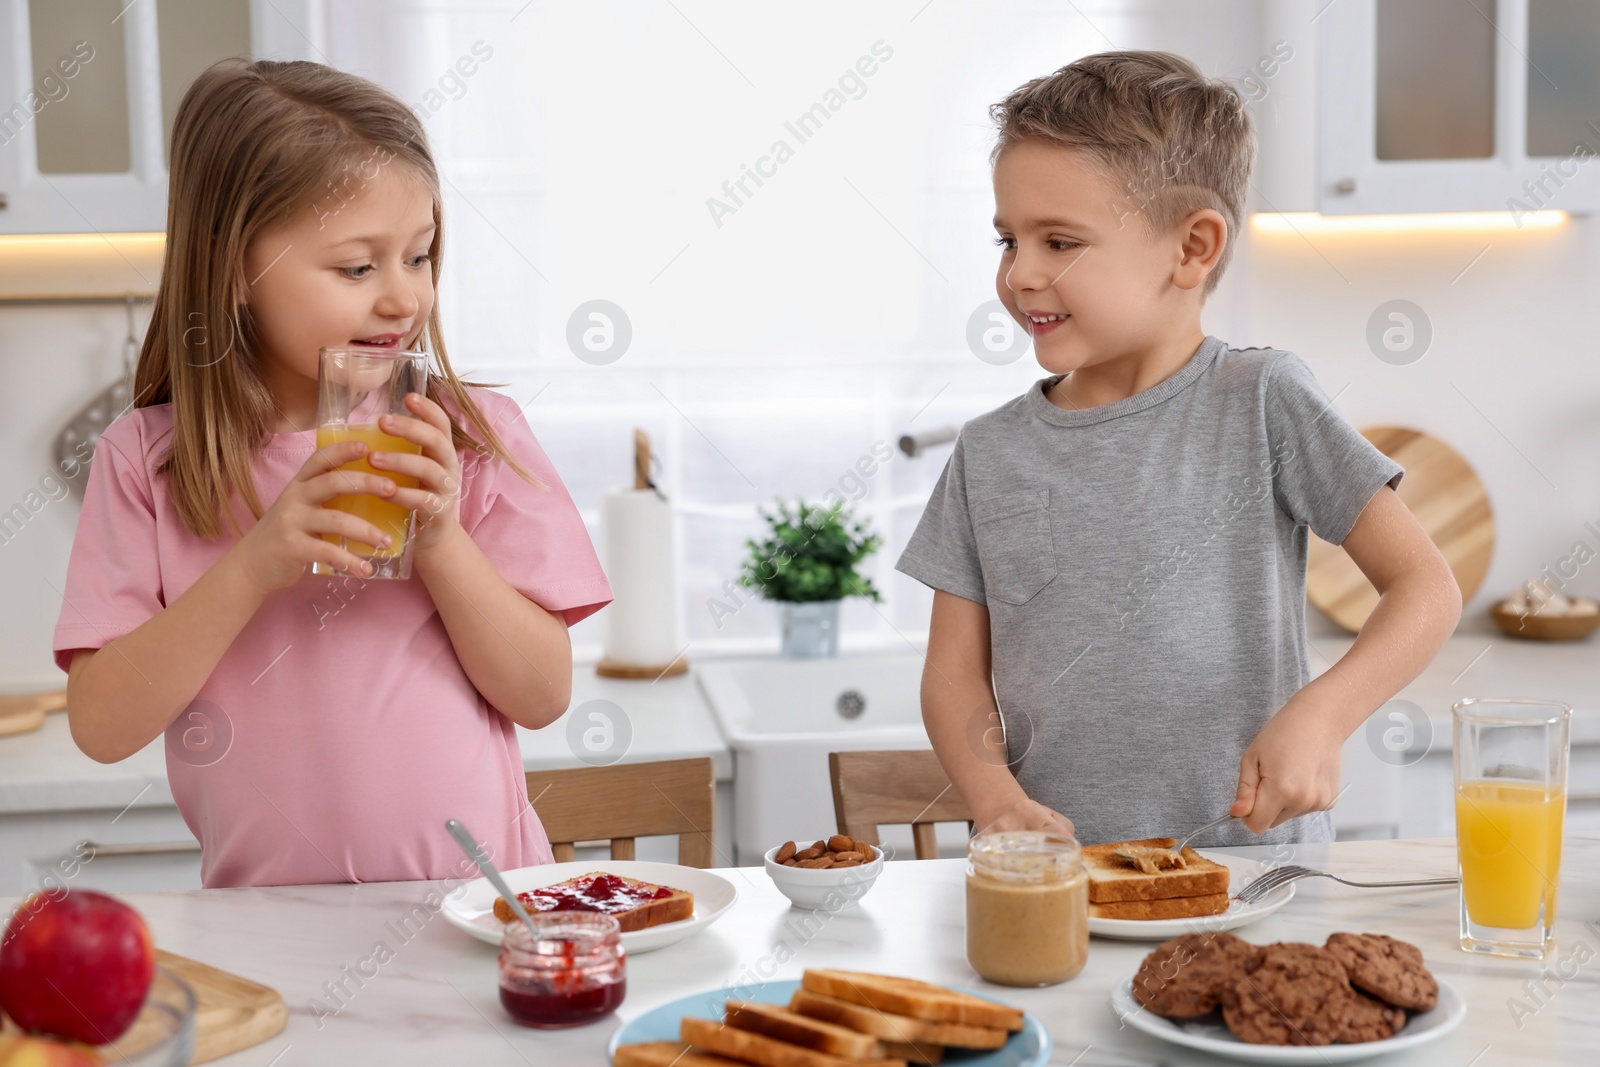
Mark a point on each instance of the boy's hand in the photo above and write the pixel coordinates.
(437, 498)
(1021, 814)
(1291, 768)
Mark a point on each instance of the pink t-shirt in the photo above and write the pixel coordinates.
(339, 731)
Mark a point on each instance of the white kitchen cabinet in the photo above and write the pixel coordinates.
(136, 850)
(88, 89)
(1458, 105)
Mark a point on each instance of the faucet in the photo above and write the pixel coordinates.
(914, 444)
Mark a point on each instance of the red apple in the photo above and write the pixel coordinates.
(17, 1051)
(76, 965)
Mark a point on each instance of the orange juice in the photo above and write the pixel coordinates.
(391, 518)
(1509, 836)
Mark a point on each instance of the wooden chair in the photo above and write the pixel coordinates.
(876, 788)
(627, 801)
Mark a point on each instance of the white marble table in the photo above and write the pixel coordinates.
(435, 1001)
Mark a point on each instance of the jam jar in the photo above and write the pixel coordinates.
(574, 972)
(1027, 907)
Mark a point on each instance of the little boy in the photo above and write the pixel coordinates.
(1122, 549)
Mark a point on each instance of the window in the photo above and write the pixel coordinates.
(789, 306)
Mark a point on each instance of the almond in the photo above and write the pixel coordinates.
(847, 857)
(840, 843)
(808, 854)
(821, 863)
(786, 852)
(846, 863)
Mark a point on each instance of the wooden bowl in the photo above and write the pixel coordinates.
(1545, 627)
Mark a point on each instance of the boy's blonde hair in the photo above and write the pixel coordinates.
(1175, 140)
(253, 145)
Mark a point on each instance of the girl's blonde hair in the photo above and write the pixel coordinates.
(253, 144)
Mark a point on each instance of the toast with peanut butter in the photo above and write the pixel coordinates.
(1115, 879)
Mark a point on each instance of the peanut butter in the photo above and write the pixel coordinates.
(1027, 908)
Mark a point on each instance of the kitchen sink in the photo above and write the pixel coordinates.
(781, 718)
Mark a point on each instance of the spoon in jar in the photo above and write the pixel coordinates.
(475, 854)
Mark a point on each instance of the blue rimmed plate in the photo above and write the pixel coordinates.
(1028, 1047)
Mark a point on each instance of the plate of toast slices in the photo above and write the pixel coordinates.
(1142, 891)
(657, 904)
(832, 1017)
(1355, 996)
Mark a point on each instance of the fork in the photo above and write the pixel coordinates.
(1291, 873)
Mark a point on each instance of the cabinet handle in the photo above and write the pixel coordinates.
(144, 848)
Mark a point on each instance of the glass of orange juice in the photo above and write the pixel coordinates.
(1511, 800)
(355, 387)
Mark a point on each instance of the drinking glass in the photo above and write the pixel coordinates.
(1511, 799)
(355, 387)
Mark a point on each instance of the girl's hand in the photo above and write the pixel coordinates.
(437, 498)
(275, 551)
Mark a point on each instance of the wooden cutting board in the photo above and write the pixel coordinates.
(231, 1012)
(23, 712)
(1448, 500)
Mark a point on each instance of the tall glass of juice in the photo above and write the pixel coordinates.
(1511, 800)
(355, 387)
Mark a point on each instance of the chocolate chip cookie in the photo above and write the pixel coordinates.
(1389, 969)
(1184, 977)
(1370, 1019)
(1297, 995)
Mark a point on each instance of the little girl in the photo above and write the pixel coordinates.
(317, 730)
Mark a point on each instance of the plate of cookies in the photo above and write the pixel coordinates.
(1355, 996)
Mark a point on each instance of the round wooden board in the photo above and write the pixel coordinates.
(1448, 500)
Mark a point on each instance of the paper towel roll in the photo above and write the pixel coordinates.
(642, 622)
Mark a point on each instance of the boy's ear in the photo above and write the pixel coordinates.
(1202, 236)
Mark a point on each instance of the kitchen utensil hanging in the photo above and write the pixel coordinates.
(76, 443)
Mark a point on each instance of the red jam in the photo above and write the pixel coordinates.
(552, 1010)
(603, 893)
(571, 970)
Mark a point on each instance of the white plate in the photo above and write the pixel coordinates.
(1241, 872)
(1028, 1047)
(472, 908)
(1213, 1037)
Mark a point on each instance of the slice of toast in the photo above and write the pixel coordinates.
(896, 1028)
(1166, 908)
(633, 903)
(910, 996)
(761, 1050)
(781, 1024)
(923, 1054)
(668, 1054)
(1114, 879)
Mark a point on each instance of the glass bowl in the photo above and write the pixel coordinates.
(163, 1033)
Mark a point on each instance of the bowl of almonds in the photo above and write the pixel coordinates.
(829, 874)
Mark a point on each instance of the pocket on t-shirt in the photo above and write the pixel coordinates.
(1016, 547)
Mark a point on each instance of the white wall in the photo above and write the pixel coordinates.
(1512, 335)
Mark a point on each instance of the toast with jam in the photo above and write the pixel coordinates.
(633, 903)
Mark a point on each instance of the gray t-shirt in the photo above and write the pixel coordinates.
(1144, 564)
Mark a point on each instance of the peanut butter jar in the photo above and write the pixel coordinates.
(1027, 907)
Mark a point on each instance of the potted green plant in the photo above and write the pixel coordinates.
(806, 563)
